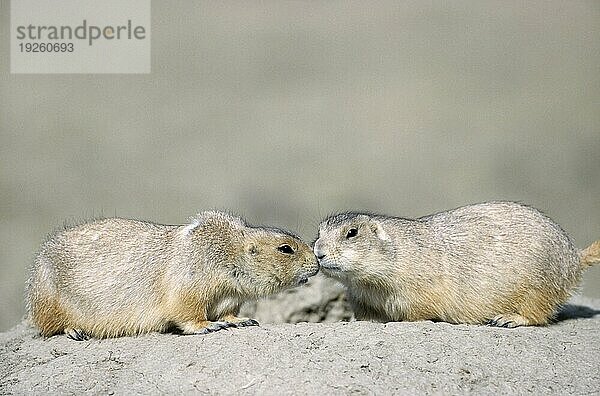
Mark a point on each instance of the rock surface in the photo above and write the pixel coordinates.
(315, 358)
(321, 300)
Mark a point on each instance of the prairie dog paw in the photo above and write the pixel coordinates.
(234, 321)
(247, 322)
(203, 327)
(509, 321)
(77, 334)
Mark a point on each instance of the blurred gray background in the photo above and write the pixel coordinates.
(287, 111)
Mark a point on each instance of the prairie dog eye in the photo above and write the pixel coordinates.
(352, 232)
(286, 249)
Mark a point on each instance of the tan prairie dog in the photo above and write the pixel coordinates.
(500, 263)
(115, 277)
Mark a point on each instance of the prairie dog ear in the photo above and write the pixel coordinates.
(378, 230)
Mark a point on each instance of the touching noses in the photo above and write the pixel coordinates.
(318, 250)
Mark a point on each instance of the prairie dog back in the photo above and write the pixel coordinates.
(498, 262)
(84, 263)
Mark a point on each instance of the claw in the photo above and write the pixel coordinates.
(212, 327)
(233, 321)
(249, 322)
(509, 321)
(245, 323)
(77, 335)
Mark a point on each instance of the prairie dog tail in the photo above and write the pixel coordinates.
(590, 255)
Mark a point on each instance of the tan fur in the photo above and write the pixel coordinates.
(115, 277)
(501, 263)
(591, 254)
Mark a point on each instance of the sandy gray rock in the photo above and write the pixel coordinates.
(311, 358)
(320, 300)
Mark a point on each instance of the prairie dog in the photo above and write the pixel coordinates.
(500, 263)
(115, 277)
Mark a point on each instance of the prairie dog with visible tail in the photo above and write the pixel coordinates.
(115, 277)
(500, 263)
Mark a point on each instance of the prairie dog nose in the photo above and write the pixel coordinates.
(318, 250)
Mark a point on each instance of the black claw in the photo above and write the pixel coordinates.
(206, 330)
(507, 324)
(78, 335)
(219, 326)
(249, 322)
(214, 326)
